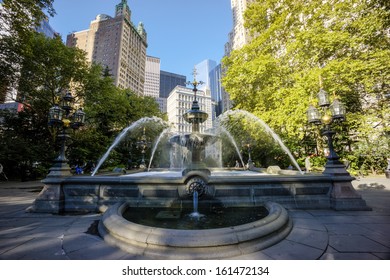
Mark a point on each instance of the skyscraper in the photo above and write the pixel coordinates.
(203, 70)
(239, 36)
(117, 43)
(152, 77)
(210, 74)
(152, 82)
(168, 81)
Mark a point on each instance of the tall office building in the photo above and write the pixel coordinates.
(216, 88)
(239, 36)
(180, 101)
(210, 74)
(117, 43)
(46, 29)
(203, 70)
(152, 82)
(168, 81)
(152, 77)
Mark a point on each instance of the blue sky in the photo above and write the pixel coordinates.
(181, 33)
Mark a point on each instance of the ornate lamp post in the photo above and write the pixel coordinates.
(248, 145)
(333, 113)
(143, 144)
(343, 196)
(61, 118)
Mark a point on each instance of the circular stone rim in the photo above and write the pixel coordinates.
(117, 227)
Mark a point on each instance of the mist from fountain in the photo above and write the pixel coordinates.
(162, 134)
(123, 134)
(231, 139)
(276, 137)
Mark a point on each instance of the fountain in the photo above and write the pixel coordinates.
(196, 186)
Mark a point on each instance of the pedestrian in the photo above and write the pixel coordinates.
(79, 170)
(2, 172)
(308, 164)
(237, 164)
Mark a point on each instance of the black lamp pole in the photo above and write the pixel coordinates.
(143, 144)
(337, 110)
(61, 118)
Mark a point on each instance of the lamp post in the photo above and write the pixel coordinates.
(143, 144)
(343, 196)
(60, 120)
(248, 145)
(332, 113)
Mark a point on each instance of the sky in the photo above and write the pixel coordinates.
(181, 33)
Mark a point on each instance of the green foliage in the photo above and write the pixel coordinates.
(16, 24)
(43, 69)
(48, 69)
(294, 43)
(25, 144)
(108, 111)
(251, 137)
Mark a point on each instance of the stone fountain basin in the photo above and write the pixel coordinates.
(161, 243)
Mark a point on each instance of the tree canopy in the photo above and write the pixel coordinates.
(48, 71)
(18, 19)
(295, 42)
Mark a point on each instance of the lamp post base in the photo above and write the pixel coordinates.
(51, 198)
(343, 195)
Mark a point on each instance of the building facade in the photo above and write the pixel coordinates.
(152, 77)
(168, 81)
(117, 43)
(180, 101)
(210, 74)
(46, 29)
(152, 82)
(239, 36)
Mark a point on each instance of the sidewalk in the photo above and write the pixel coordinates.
(317, 234)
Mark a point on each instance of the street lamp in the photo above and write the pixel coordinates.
(248, 145)
(143, 144)
(60, 119)
(337, 114)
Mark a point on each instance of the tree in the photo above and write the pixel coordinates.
(49, 70)
(295, 43)
(46, 72)
(18, 20)
(109, 110)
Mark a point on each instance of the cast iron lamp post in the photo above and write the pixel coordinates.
(332, 113)
(248, 145)
(143, 144)
(61, 119)
(343, 196)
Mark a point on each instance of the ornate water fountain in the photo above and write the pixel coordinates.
(273, 189)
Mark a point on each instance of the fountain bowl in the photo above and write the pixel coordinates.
(149, 242)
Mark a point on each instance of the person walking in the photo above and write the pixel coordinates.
(308, 164)
(2, 172)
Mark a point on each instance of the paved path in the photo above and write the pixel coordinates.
(317, 234)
